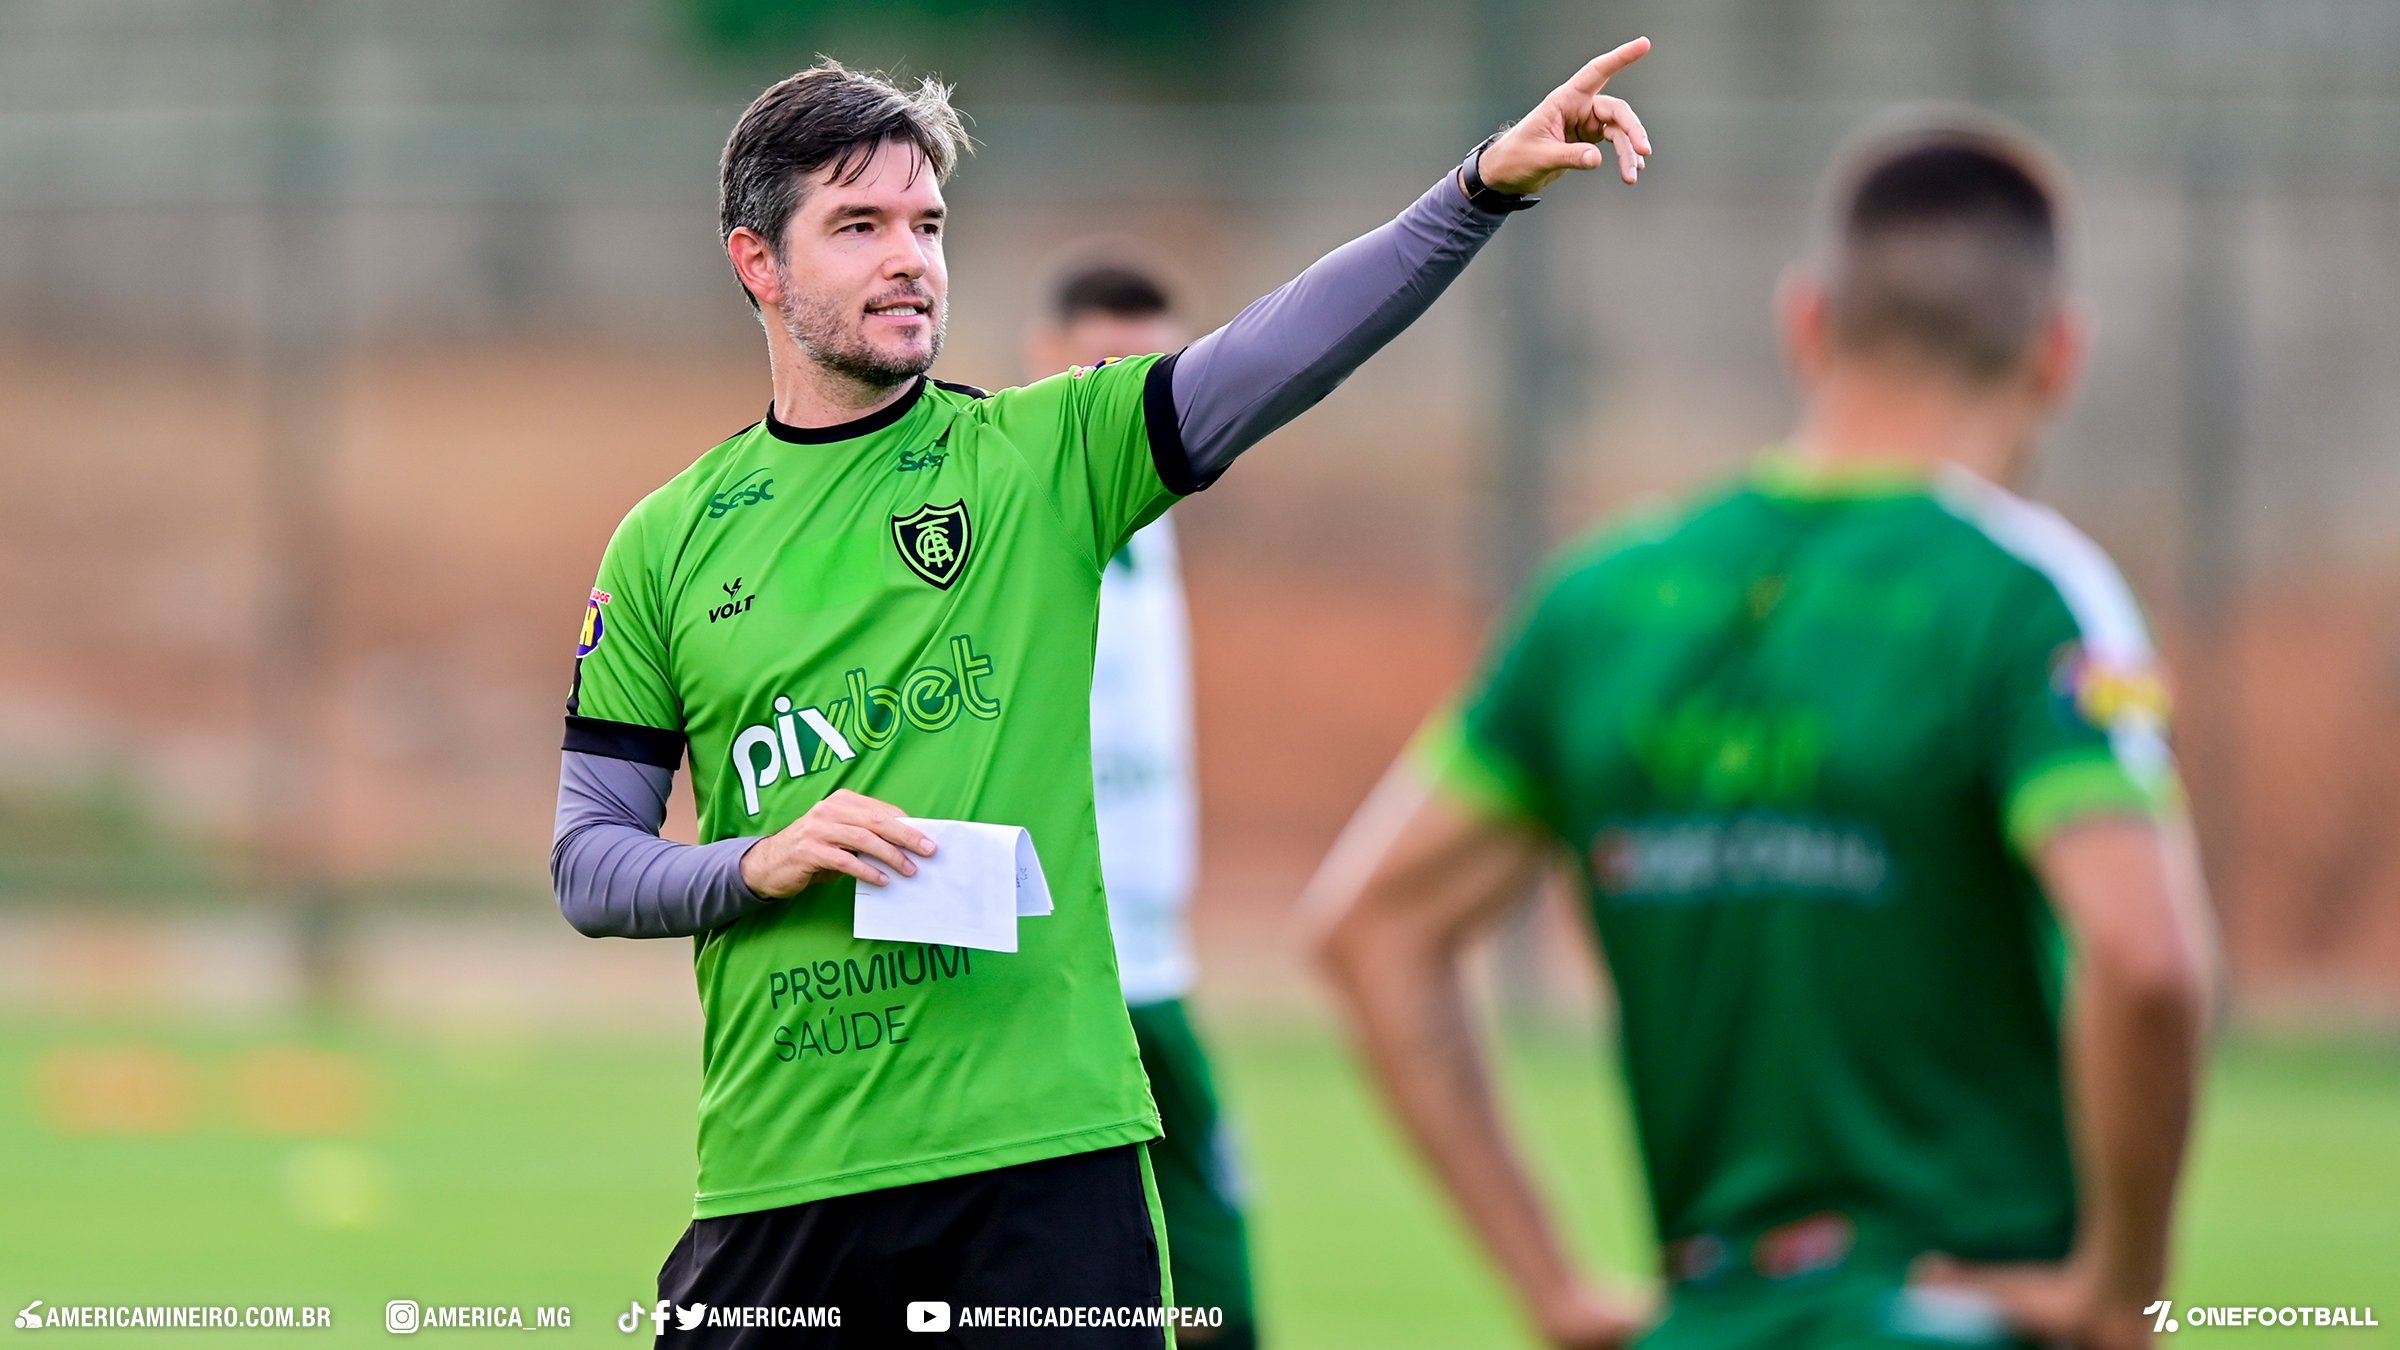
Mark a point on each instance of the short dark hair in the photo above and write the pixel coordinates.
(826, 115)
(1115, 287)
(1941, 244)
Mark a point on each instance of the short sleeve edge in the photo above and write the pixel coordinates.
(1462, 768)
(2074, 787)
(624, 740)
(1167, 450)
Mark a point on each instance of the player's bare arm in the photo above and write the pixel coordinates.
(2131, 892)
(1413, 883)
(844, 835)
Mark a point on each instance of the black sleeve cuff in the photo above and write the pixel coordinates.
(624, 740)
(1175, 467)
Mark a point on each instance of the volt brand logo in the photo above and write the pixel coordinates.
(934, 541)
(867, 716)
(735, 602)
(748, 490)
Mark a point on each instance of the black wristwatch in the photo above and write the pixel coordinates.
(1483, 198)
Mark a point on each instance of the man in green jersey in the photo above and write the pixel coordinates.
(876, 605)
(1841, 756)
(1146, 789)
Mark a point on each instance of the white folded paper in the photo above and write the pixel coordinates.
(980, 880)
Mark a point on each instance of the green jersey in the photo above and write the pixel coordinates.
(1801, 739)
(903, 606)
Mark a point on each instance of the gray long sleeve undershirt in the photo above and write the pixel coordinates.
(1276, 359)
(616, 878)
(1296, 344)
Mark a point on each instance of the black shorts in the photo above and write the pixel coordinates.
(1050, 1237)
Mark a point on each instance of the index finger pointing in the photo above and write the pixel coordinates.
(1597, 71)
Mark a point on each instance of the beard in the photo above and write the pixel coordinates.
(833, 336)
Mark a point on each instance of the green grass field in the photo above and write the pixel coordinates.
(534, 1172)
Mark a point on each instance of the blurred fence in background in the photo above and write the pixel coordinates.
(334, 339)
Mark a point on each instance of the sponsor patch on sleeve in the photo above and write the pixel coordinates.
(593, 626)
(2107, 695)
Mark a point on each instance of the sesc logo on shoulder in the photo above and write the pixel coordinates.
(748, 490)
(934, 541)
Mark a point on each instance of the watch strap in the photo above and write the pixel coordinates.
(1482, 196)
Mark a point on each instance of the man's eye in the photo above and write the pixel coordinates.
(931, 227)
(855, 227)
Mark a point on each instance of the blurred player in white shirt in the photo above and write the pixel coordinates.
(1148, 796)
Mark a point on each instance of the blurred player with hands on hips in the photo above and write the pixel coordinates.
(1842, 757)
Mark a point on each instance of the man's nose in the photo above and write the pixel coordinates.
(908, 259)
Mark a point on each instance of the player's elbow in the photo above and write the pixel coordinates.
(1358, 935)
(577, 902)
(586, 920)
(1334, 930)
(1333, 941)
(2165, 978)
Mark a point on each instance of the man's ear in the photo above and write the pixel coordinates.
(754, 264)
(1800, 319)
(2058, 356)
(1042, 356)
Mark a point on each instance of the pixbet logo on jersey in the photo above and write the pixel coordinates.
(867, 717)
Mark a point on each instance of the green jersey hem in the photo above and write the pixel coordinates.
(2075, 787)
(1158, 1241)
(750, 1200)
(1470, 773)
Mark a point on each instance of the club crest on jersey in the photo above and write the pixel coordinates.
(589, 637)
(934, 541)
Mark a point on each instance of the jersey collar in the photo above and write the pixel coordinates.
(843, 431)
(1781, 472)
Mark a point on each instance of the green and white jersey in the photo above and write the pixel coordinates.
(1142, 765)
(903, 606)
(1800, 740)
